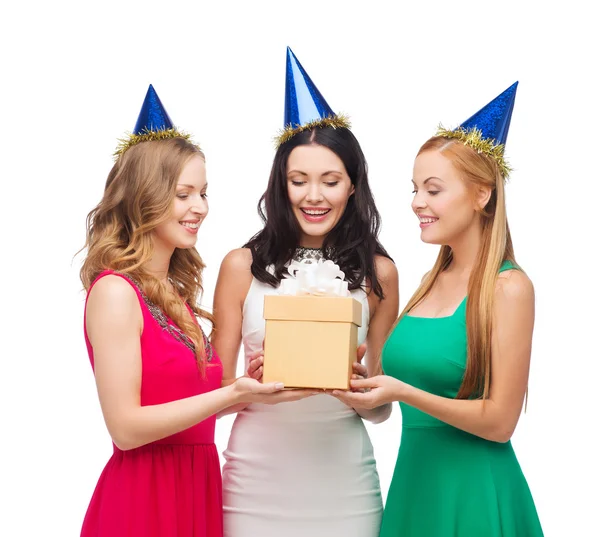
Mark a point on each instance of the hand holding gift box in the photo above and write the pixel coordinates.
(311, 328)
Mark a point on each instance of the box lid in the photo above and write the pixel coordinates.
(313, 308)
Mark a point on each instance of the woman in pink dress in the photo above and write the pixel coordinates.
(158, 377)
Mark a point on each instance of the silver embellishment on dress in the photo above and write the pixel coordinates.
(314, 254)
(163, 321)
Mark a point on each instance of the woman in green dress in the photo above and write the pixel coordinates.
(458, 358)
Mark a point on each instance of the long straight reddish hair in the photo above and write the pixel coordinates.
(477, 170)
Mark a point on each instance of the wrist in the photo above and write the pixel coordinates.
(233, 395)
(401, 391)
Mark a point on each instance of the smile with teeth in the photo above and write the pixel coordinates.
(315, 212)
(427, 219)
(191, 225)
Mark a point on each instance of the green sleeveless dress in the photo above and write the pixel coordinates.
(447, 482)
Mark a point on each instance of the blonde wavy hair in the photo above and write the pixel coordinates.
(477, 170)
(138, 196)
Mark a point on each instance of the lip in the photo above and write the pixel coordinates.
(315, 218)
(192, 231)
(423, 225)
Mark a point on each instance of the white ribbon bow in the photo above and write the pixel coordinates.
(318, 278)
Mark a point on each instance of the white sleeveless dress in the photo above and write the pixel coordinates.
(299, 469)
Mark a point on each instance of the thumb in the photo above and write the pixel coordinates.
(360, 352)
(272, 387)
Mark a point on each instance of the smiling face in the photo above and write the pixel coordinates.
(445, 205)
(190, 207)
(318, 188)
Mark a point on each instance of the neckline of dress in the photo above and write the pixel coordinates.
(444, 317)
(315, 254)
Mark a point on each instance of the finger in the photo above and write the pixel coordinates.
(360, 352)
(257, 375)
(271, 387)
(364, 383)
(255, 363)
(343, 397)
(352, 398)
(342, 400)
(256, 354)
(359, 369)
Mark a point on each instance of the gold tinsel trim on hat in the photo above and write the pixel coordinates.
(474, 139)
(339, 121)
(149, 136)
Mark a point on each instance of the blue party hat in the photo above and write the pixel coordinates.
(486, 131)
(153, 123)
(305, 107)
(153, 116)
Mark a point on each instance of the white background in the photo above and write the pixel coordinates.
(73, 80)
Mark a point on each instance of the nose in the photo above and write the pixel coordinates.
(314, 193)
(200, 207)
(418, 202)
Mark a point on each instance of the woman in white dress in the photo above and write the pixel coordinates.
(303, 465)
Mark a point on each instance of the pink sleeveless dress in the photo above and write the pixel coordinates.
(171, 487)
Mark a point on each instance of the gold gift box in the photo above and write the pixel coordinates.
(310, 341)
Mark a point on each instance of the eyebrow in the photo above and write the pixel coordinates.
(329, 172)
(429, 179)
(192, 186)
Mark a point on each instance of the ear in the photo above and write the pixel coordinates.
(482, 196)
(352, 190)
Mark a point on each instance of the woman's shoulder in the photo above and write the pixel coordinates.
(387, 274)
(113, 287)
(385, 267)
(235, 276)
(113, 300)
(514, 284)
(237, 260)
